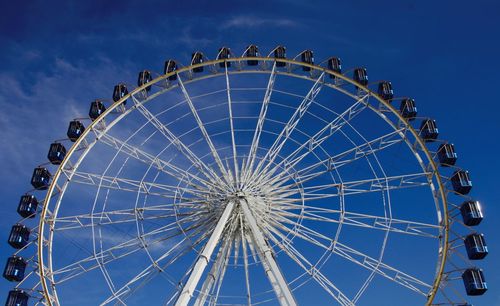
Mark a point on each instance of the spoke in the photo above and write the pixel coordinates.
(131, 185)
(178, 250)
(148, 272)
(204, 258)
(245, 261)
(181, 147)
(317, 139)
(356, 187)
(285, 244)
(344, 158)
(149, 159)
(128, 247)
(358, 258)
(233, 140)
(260, 123)
(285, 133)
(203, 130)
(381, 268)
(358, 220)
(273, 272)
(112, 217)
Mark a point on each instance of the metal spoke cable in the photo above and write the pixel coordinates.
(204, 132)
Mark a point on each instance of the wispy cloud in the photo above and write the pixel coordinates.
(255, 22)
(36, 111)
(187, 38)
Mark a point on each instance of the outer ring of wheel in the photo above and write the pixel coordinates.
(421, 143)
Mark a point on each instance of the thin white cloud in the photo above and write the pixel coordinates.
(255, 22)
(36, 112)
(187, 38)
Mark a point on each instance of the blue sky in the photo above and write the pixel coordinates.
(55, 58)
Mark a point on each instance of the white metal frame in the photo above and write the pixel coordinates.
(266, 170)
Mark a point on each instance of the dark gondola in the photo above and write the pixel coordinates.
(40, 178)
(169, 67)
(385, 90)
(252, 51)
(197, 58)
(280, 53)
(96, 109)
(144, 78)
(461, 182)
(56, 154)
(75, 130)
(224, 53)
(360, 76)
(447, 155)
(307, 57)
(120, 91)
(14, 269)
(408, 109)
(335, 65)
(19, 236)
(474, 281)
(17, 297)
(28, 205)
(429, 130)
(476, 247)
(471, 213)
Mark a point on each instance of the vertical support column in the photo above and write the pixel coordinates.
(273, 271)
(204, 258)
(215, 272)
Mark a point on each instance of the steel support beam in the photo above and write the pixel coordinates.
(204, 258)
(273, 272)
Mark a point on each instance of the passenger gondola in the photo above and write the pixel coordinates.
(461, 182)
(447, 155)
(429, 130)
(17, 297)
(120, 91)
(307, 57)
(335, 65)
(15, 269)
(360, 76)
(19, 236)
(471, 213)
(474, 281)
(40, 178)
(197, 58)
(75, 130)
(224, 53)
(169, 67)
(476, 247)
(28, 205)
(385, 90)
(144, 78)
(408, 109)
(280, 53)
(56, 154)
(252, 51)
(96, 109)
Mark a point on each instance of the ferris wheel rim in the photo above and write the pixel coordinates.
(114, 106)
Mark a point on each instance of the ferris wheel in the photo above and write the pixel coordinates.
(245, 180)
